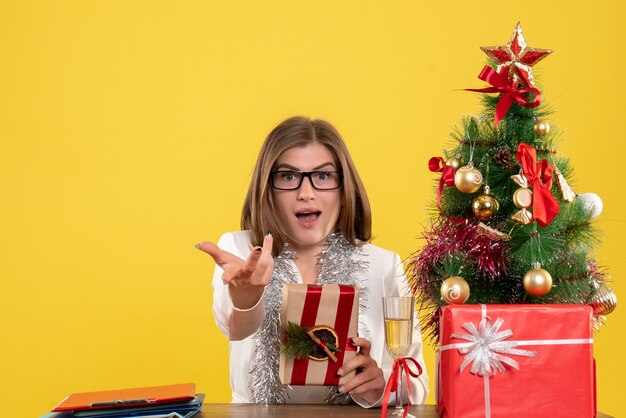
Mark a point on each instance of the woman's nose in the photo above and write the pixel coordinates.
(306, 190)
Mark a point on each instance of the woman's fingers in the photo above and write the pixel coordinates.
(364, 345)
(265, 264)
(373, 384)
(220, 256)
(251, 262)
(365, 381)
(357, 363)
(369, 381)
(231, 271)
(259, 258)
(267, 275)
(256, 270)
(370, 378)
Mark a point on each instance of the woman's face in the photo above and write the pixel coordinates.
(308, 215)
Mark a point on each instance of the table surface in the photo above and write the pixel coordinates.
(230, 410)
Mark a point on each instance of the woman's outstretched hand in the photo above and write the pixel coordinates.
(369, 382)
(246, 279)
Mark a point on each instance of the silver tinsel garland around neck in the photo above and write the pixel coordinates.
(337, 265)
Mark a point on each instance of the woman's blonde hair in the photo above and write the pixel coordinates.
(259, 215)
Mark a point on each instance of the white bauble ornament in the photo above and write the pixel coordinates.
(592, 203)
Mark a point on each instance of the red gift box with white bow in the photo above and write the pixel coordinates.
(515, 361)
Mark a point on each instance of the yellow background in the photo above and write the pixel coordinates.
(129, 129)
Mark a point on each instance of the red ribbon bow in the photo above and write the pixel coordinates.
(438, 165)
(539, 176)
(509, 92)
(394, 379)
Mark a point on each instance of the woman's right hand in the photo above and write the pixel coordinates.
(247, 279)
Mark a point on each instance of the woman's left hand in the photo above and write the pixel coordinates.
(369, 382)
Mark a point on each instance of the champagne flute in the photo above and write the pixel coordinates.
(398, 314)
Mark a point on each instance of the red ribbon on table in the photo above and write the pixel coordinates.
(539, 176)
(438, 165)
(509, 92)
(394, 379)
(342, 324)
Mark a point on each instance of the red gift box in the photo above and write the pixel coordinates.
(335, 306)
(518, 361)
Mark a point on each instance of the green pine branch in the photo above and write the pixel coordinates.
(298, 344)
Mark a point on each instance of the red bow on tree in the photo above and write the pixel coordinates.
(394, 379)
(438, 165)
(509, 92)
(539, 176)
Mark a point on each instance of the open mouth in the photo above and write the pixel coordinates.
(308, 215)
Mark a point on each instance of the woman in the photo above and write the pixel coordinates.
(306, 219)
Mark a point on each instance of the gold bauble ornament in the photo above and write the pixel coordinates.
(522, 198)
(454, 162)
(537, 281)
(485, 206)
(604, 301)
(455, 290)
(468, 179)
(541, 128)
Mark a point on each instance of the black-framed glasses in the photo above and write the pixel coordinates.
(292, 180)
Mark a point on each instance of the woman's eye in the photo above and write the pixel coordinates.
(288, 177)
(323, 175)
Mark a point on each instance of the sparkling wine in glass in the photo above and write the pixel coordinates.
(398, 315)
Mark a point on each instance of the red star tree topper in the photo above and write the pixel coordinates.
(515, 59)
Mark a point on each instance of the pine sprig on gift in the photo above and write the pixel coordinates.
(298, 344)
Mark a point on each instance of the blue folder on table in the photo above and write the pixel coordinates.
(184, 409)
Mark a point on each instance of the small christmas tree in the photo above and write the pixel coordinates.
(508, 227)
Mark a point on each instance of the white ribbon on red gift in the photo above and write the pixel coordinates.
(486, 345)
